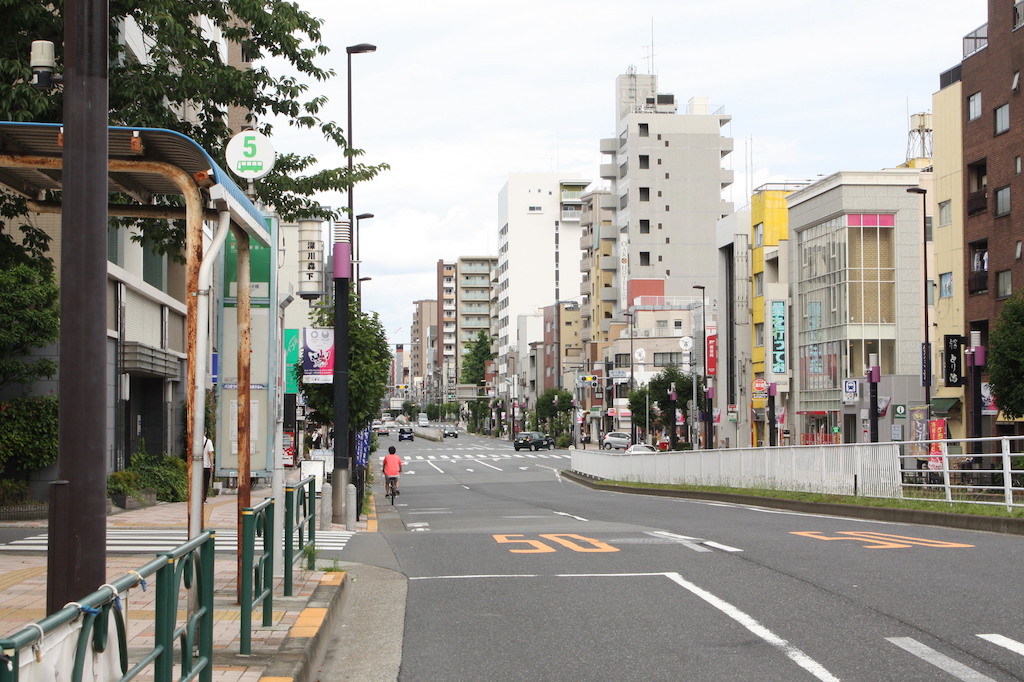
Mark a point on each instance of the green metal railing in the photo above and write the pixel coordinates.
(189, 563)
(257, 573)
(299, 512)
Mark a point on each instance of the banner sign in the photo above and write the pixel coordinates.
(712, 355)
(317, 356)
(778, 314)
(952, 368)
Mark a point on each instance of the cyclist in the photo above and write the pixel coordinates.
(392, 467)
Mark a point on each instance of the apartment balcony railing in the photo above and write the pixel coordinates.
(977, 282)
(978, 39)
(977, 202)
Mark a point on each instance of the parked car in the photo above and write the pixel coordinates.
(533, 440)
(450, 431)
(616, 440)
(405, 433)
(641, 449)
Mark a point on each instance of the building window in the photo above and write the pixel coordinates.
(643, 130)
(974, 106)
(645, 227)
(1002, 119)
(1003, 201)
(977, 281)
(661, 324)
(945, 213)
(677, 324)
(645, 162)
(645, 258)
(758, 284)
(759, 235)
(946, 285)
(535, 209)
(759, 334)
(666, 359)
(622, 359)
(645, 194)
(1016, 164)
(1004, 284)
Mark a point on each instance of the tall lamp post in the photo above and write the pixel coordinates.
(343, 453)
(632, 378)
(704, 360)
(926, 346)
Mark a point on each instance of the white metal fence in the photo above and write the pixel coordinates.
(890, 470)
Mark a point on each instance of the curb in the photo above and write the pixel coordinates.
(300, 653)
(992, 524)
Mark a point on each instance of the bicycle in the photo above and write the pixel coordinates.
(389, 487)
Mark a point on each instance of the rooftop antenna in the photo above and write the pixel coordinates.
(919, 139)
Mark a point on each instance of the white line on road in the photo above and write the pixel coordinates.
(571, 516)
(436, 467)
(1005, 642)
(794, 654)
(487, 465)
(688, 542)
(718, 545)
(940, 661)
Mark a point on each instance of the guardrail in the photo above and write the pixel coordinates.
(975, 471)
(88, 621)
(257, 573)
(299, 512)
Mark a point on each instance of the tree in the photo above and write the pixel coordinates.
(184, 71)
(1006, 357)
(474, 362)
(369, 364)
(645, 411)
(29, 319)
(660, 387)
(554, 406)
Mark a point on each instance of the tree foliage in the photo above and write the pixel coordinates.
(1006, 357)
(369, 363)
(186, 72)
(660, 387)
(29, 319)
(474, 363)
(28, 434)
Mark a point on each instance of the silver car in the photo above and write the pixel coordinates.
(616, 440)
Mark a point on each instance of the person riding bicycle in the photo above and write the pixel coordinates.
(392, 467)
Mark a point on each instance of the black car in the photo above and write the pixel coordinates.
(404, 433)
(533, 440)
(450, 431)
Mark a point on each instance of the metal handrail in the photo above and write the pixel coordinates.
(192, 562)
(257, 573)
(299, 511)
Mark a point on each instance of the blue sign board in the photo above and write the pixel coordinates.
(778, 314)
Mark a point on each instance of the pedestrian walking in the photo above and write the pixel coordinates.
(208, 457)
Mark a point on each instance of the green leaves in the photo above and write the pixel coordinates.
(474, 363)
(29, 319)
(1006, 357)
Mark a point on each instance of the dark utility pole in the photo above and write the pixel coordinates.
(873, 376)
(77, 558)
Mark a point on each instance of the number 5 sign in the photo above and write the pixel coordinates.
(250, 155)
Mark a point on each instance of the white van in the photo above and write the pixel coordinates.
(422, 421)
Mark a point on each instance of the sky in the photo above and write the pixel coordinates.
(459, 94)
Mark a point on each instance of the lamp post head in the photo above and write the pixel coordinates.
(917, 190)
(361, 48)
(364, 216)
(699, 286)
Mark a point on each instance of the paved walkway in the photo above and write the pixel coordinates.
(297, 620)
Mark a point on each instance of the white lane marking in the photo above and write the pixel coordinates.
(688, 542)
(420, 513)
(571, 516)
(436, 467)
(469, 471)
(523, 468)
(465, 486)
(940, 661)
(794, 654)
(455, 577)
(724, 548)
(487, 465)
(1005, 642)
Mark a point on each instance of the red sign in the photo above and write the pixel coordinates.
(760, 385)
(712, 355)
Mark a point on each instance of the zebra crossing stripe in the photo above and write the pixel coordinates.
(1005, 642)
(157, 540)
(940, 661)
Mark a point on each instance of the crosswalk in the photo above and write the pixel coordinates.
(950, 665)
(485, 455)
(157, 540)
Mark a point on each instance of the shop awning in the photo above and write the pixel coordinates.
(942, 406)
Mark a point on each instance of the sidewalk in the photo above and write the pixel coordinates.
(282, 651)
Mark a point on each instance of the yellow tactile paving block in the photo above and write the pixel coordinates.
(334, 578)
(308, 623)
(12, 578)
(277, 679)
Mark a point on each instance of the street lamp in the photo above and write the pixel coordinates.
(632, 422)
(704, 361)
(343, 455)
(926, 346)
(359, 261)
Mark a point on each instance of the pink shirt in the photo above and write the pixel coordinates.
(392, 465)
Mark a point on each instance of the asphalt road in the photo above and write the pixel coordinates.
(513, 573)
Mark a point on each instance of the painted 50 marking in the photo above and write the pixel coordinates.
(568, 540)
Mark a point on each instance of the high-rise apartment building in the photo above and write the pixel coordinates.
(993, 136)
(472, 301)
(538, 249)
(446, 359)
(667, 179)
(423, 316)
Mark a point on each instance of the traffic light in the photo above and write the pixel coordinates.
(589, 379)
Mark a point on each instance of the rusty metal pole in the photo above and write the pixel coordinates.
(244, 377)
(77, 560)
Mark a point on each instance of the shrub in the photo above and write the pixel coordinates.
(13, 492)
(28, 433)
(167, 476)
(123, 483)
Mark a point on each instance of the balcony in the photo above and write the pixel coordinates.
(609, 263)
(977, 282)
(609, 171)
(609, 293)
(610, 145)
(586, 264)
(609, 230)
(977, 202)
(571, 216)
